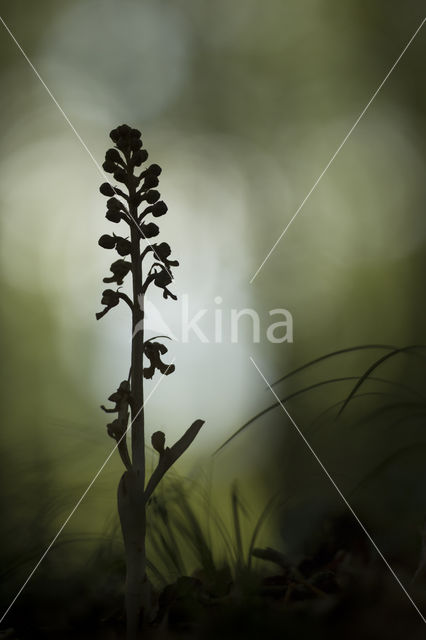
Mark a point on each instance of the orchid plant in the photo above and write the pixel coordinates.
(134, 204)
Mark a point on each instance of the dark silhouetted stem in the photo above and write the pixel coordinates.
(131, 490)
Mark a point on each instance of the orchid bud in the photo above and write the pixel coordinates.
(109, 166)
(120, 175)
(153, 169)
(152, 196)
(158, 209)
(114, 203)
(158, 441)
(119, 269)
(135, 144)
(106, 242)
(150, 230)
(139, 157)
(122, 246)
(110, 297)
(106, 189)
(112, 155)
(113, 215)
(150, 182)
(162, 250)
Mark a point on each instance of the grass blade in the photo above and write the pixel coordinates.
(290, 397)
(332, 355)
(373, 367)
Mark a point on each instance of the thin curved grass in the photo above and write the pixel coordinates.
(171, 545)
(373, 367)
(381, 411)
(235, 504)
(333, 406)
(265, 514)
(332, 355)
(294, 395)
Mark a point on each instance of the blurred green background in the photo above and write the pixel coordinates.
(242, 104)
